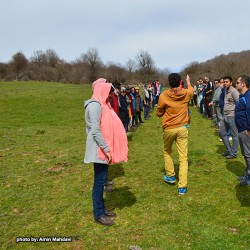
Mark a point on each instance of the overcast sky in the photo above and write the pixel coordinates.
(174, 32)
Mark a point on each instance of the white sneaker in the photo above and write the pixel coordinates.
(230, 138)
(220, 140)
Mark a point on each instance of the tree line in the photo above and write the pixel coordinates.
(48, 66)
(232, 64)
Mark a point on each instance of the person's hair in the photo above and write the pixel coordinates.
(228, 78)
(218, 80)
(111, 90)
(222, 78)
(174, 80)
(246, 80)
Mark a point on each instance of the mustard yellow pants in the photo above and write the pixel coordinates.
(180, 137)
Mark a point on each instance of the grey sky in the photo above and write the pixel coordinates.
(174, 32)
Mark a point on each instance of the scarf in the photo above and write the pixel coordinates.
(111, 126)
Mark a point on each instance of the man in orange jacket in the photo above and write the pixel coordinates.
(173, 108)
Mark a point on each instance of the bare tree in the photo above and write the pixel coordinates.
(130, 64)
(93, 60)
(52, 57)
(20, 63)
(145, 64)
(115, 72)
(39, 58)
(3, 70)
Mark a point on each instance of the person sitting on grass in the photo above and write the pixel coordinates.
(173, 108)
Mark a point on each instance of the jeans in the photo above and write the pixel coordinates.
(100, 178)
(208, 108)
(180, 137)
(217, 112)
(225, 124)
(199, 100)
(244, 140)
(146, 111)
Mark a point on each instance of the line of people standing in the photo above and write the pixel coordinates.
(130, 105)
(229, 106)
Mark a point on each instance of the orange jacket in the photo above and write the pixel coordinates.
(173, 107)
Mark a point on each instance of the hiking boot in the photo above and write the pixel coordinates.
(105, 221)
(231, 156)
(109, 183)
(245, 182)
(108, 189)
(226, 153)
(242, 178)
(170, 180)
(182, 191)
(110, 213)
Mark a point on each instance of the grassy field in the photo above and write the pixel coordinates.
(45, 188)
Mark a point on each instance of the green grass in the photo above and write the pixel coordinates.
(46, 189)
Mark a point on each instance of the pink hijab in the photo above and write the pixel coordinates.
(111, 126)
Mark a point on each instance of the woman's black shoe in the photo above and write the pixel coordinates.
(110, 214)
(105, 220)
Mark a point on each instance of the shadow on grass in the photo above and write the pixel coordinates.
(120, 198)
(115, 171)
(236, 167)
(242, 192)
(220, 148)
(243, 195)
(176, 168)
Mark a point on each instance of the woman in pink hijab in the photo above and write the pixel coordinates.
(106, 144)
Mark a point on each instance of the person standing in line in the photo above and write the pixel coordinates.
(139, 105)
(146, 102)
(228, 121)
(202, 103)
(215, 103)
(221, 105)
(106, 143)
(134, 117)
(173, 108)
(208, 95)
(158, 91)
(242, 121)
(123, 108)
(200, 88)
(115, 98)
(130, 110)
(194, 101)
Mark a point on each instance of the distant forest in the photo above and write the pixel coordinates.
(232, 64)
(47, 66)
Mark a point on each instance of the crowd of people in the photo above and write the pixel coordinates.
(133, 104)
(114, 109)
(228, 105)
(110, 112)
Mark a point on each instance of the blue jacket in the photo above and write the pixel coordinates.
(242, 112)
